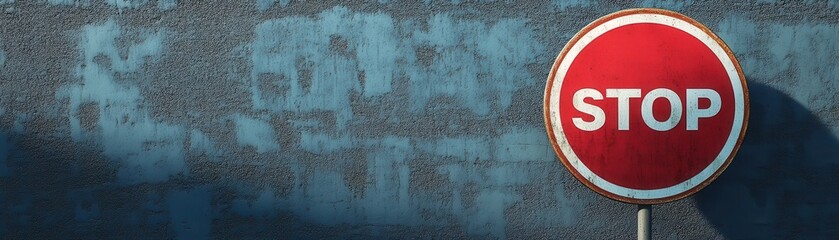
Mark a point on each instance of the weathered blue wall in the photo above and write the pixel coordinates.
(388, 119)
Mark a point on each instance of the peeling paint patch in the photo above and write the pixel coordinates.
(263, 5)
(490, 218)
(167, 4)
(121, 4)
(75, 3)
(469, 149)
(529, 144)
(480, 65)
(146, 150)
(9, 9)
(19, 125)
(390, 173)
(481, 209)
(322, 143)
(255, 133)
(201, 144)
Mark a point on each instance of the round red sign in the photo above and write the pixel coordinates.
(646, 106)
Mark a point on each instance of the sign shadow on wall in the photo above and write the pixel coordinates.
(784, 181)
(69, 188)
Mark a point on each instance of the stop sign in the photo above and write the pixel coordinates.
(646, 106)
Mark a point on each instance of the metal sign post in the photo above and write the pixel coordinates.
(646, 106)
(644, 221)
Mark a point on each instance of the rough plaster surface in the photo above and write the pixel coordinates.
(375, 119)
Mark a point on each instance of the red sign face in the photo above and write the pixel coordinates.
(646, 106)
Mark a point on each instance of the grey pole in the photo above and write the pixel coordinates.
(644, 223)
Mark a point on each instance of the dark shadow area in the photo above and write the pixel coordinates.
(49, 188)
(53, 188)
(784, 181)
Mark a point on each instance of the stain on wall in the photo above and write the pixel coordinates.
(146, 150)
(373, 119)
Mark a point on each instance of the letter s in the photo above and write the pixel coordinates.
(595, 111)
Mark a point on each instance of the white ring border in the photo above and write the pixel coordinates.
(670, 191)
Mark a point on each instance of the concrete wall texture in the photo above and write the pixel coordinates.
(389, 119)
